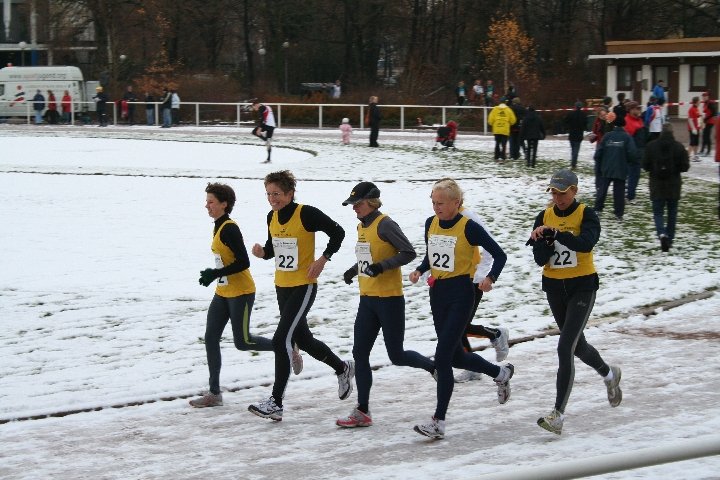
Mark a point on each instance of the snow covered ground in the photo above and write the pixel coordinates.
(104, 232)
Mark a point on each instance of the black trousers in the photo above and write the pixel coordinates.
(571, 311)
(295, 303)
(374, 132)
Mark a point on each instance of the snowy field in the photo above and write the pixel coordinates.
(104, 233)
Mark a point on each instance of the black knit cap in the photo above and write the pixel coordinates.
(362, 191)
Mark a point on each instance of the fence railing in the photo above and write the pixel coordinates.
(677, 451)
(394, 116)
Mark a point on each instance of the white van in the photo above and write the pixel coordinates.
(18, 86)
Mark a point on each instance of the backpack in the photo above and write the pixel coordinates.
(663, 164)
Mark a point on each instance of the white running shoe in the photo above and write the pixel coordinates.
(503, 382)
(355, 419)
(345, 385)
(553, 422)
(208, 400)
(297, 360)
(435, 429)
(267, 409)
(613, 387)
(501, 344)
(467, 376)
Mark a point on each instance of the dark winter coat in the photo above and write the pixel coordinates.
(669, 187)
(614, 153)
(519, 112)
(374, 116)
(38, 102)
(532, 127)
(576, 122)
(101, 99)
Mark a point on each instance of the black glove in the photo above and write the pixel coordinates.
(349, 274)
(207, 276)
(549, 235)
(373, 270)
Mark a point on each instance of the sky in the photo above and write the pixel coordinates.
(104, 233)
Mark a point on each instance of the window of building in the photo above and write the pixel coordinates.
(698, 77)
(661, 73)
(625, 78)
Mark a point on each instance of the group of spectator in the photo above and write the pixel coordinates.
(522, 127)
(482, 94)
(168, 102)
(51, 115)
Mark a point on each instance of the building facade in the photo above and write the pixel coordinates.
(687, 66)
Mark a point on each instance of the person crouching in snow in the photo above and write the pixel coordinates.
(446, 136)
(346, 131)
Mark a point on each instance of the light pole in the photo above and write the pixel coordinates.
(262, 52)
(22, 46)
(285, 47)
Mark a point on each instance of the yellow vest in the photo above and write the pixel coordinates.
(294, 250)
(370, 248)
(449, 252)
(231, 285)
(566, 263)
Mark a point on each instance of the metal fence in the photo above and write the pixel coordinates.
(320, 115)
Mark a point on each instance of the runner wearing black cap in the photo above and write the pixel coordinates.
(562, 238)
(382, 248)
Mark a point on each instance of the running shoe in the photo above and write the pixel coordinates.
(501, 344)
(208, 400)
(297, 360)
(503, 382)
(345, 385)
(267, 409)
(613, 387)
(435, 429)
(553, 422)
(467, 376)
(355, 419)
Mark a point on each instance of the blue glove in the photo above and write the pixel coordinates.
(207, 276)
(373, 270)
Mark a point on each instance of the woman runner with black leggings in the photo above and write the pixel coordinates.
(563, 238)
(234, 293)
(382, 248)
(451, 239)
(291, 241)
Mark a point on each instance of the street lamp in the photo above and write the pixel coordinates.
(262, 52)
(285, 47)
(22, 46)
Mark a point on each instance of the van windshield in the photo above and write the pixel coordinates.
(2, 89)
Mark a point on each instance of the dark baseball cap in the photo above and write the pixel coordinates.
(562, 180)
(362, 191)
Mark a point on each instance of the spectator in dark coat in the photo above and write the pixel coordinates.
(613, 156)
(620, 110)
(531, 132)
(101, 100)
(664, 160)
(38, 106)
(515, 141)
(372, 119)
(575, 122)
